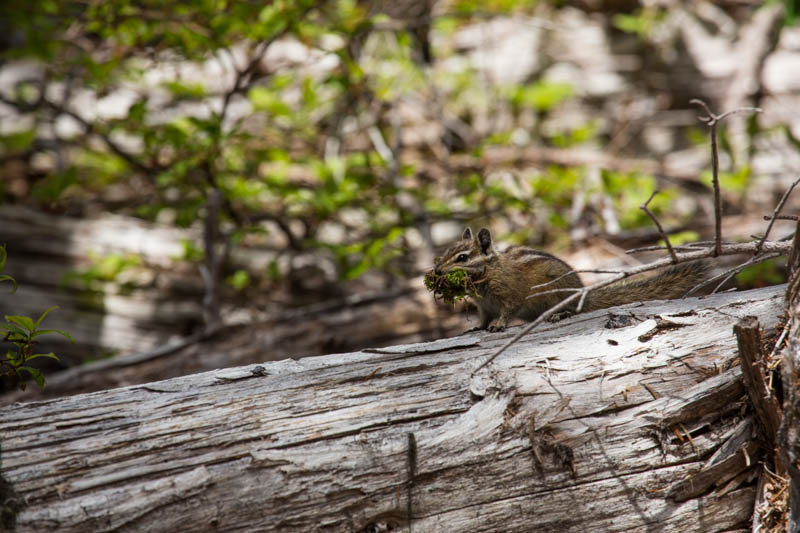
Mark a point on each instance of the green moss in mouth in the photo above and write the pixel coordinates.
(452, 286)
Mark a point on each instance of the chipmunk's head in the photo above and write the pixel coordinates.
(471, 253)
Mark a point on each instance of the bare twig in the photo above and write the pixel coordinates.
(562, 276)
(664, 236)
(712, 120)
(544, 316)
(88, 127)
(728, 274)
(682, 248)
(554, 291)
(794, 256)
(775, 213)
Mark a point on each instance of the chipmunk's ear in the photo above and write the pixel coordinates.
(467, 235)
(485, 240)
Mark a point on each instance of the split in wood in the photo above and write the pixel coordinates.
(543, 442)
(412, 472)
(730, 460)
(765, 405)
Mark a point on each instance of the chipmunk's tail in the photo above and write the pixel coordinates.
(672, 282)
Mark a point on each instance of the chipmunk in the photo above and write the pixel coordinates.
(505, 281)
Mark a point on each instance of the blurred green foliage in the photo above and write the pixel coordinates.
(770, 272)
(641, 22)
(316, 148)
(629, 190)
(540, 96)
(102, 269)
(734, 182)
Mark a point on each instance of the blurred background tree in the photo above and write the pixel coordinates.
(298, 152)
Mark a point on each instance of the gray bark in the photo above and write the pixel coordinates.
(588, 424)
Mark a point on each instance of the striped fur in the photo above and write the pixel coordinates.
(523, 283)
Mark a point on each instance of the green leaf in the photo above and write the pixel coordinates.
(36, 325)
(14, 358)
(22, 321)
(3, 277)
(542, 95)
(185, 90)
(264, 99)
(11, 328)
(35, 373)
(239, 280)
(18, 142)
(55, 184)
(58, 331)
(3, 256)
(51, 355)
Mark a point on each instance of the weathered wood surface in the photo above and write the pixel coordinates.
(582, 426)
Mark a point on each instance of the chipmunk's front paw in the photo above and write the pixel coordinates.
(557, 317)
(496, 328)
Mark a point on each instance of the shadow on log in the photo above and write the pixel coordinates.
(594, 423)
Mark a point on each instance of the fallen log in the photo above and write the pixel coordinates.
(626, 419)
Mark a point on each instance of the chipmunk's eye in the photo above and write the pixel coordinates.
(462, 258)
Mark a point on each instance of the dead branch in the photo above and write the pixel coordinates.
(728, 274)
(712, 120)
(664, 236)
(775, 213)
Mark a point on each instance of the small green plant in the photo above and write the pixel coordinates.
(452, 287)
(22, 332)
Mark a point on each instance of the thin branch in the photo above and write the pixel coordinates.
(681, 248)
(712, 120)
(554, 291)
(775, 213)
(664, 236)
(544, 316)
(562, 276)
(735, 270)
(794, 255)
(244, 76)
(88, 127)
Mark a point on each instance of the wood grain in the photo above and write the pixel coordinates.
(322, 444)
